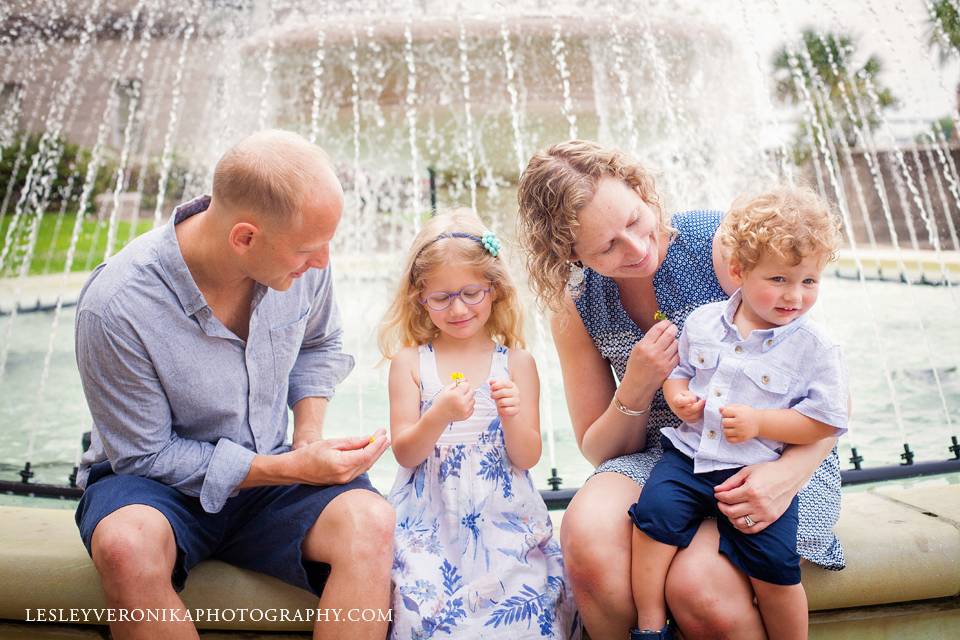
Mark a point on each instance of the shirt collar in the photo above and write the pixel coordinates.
(171, 258)
(770, 337)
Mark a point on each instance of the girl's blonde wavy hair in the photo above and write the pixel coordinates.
(790, 222)
(406, 322)
(557, 183)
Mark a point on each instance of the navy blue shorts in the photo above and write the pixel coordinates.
(262, 528)
(675, 500)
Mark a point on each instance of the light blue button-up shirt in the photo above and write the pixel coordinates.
(176, 396)
(796, 366)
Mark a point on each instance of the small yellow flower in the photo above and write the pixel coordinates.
(659, 315)
(457, 377)
(372, 439)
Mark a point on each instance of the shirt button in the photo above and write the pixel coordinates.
(738, 349)
(770, 342)
(711, 434)
(765, 379)
(717, 392)
(700, 359)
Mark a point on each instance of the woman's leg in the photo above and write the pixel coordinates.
(595, 535)
(708, 597)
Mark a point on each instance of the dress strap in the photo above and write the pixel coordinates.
(499, 366)
(429, 378)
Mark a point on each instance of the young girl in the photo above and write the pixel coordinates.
(474, 553)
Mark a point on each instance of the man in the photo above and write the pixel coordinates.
(191, 343)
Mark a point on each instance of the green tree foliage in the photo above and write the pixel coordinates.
(944, 32)
(823, 68)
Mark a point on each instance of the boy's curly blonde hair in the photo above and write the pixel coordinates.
(790, 222)
(406, 322)
(557, 183)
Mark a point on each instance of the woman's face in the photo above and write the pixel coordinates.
(618, 235)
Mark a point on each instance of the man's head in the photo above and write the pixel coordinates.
(281, 202)
(777, 244)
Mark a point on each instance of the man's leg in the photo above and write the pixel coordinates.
(354, 535)
(134, 551)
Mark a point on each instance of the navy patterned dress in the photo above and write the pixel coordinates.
(685, 281)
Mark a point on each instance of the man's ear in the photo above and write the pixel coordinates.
(735, 271)
(242, 236)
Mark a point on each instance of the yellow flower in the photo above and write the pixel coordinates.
(457, 377)
(659, 315)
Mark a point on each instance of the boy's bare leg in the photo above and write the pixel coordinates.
(783, 609)
(650, 561)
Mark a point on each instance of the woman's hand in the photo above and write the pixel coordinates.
(757, 494)
(455, 402)
(651, 361)
(507, 396)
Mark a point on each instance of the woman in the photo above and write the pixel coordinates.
(604, 258)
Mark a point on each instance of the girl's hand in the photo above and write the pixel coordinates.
(455, 402)
(740, 422)
(761, 491)
(653, 357)
(687, 406)
(507, 396)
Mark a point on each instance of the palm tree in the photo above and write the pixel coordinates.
(823, 71)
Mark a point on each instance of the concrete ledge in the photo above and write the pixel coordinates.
(903, 549)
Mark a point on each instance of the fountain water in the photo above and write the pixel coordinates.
(417, 85)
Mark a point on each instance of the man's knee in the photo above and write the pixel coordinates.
(357, 525)
(134, 543)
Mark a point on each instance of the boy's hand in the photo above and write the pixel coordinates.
(687, 406)
(455, 402)
(507, 396)
(740, 422)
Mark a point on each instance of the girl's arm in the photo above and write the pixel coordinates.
(602, 431)
(521, 423)
(413, 436)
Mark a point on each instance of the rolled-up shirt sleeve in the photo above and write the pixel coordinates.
(321, 363)
(133, 419)
(826, 399)
(683, 370)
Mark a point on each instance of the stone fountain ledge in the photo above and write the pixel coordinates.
(902, 577)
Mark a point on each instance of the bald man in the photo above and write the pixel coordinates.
(192, 342)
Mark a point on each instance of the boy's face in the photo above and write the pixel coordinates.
(775, 292)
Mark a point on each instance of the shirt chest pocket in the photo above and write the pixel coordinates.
(286, 341)
(767, 380)
(704, 358)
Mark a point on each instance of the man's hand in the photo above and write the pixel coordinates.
(338, 460)
(506, 394)
(687, 406)
(740, 422)
(304, 436)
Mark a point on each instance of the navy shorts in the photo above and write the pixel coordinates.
(261, 528)
(675, 500)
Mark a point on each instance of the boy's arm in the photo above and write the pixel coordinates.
(741, 423)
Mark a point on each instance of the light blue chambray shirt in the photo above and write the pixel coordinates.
(796, 366)
(176, 396)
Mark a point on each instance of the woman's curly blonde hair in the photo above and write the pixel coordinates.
(790, 222)
(557, 183)
(406, 322)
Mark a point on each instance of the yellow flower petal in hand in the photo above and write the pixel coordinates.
(457, 377)
(659, 315)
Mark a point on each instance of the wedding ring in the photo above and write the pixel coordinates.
(748, 521)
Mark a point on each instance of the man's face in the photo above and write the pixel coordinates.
(289, 248)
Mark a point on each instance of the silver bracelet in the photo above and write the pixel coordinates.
(622, 408)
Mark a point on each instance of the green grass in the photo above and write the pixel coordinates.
(50, 255)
